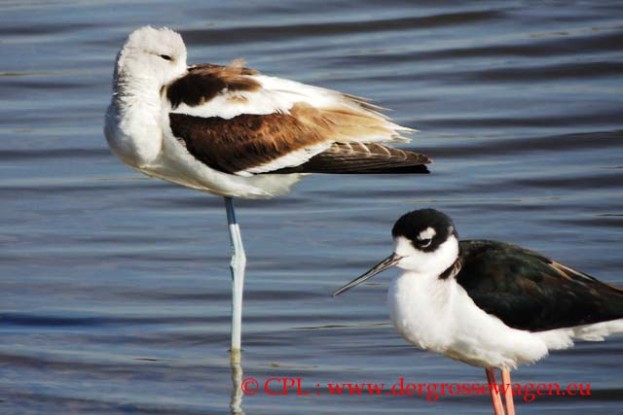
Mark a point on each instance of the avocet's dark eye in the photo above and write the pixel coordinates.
(166, 57)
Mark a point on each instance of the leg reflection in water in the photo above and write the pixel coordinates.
(235, 405)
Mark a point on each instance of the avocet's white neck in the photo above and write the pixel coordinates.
(150, 59)
(133, 119)
(135, 85)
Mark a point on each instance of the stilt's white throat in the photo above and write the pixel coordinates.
(489, 304)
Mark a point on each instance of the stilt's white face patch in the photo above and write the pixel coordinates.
(427, 233)
(431, 263)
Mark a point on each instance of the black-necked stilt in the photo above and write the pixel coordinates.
(489, 304)
(232, 131)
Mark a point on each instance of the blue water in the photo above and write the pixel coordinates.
(114, 288)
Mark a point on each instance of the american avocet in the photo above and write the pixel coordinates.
(489, 304)
(234, 132)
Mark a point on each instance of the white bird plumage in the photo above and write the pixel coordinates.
(486, 303)
(439, 315)
(234, 132)
(138, 126)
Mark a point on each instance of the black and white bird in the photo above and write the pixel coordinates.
(486, 303)
(231, 131)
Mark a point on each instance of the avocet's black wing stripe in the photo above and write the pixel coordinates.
(362, 158)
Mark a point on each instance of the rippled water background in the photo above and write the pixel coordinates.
(114, 288)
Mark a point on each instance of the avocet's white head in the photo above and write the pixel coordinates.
(426, 243)
(150, 59)
(156, 55)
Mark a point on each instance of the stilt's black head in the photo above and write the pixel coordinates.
(426, 243)
(426, 229)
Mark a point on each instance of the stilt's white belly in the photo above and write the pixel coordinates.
(438, 315)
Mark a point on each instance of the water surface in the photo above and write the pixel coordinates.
(115, 288)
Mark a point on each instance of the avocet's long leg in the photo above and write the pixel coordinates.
(508, 392)
(238, 264)
(495, 395)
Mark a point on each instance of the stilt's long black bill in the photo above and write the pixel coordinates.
(388, 262)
